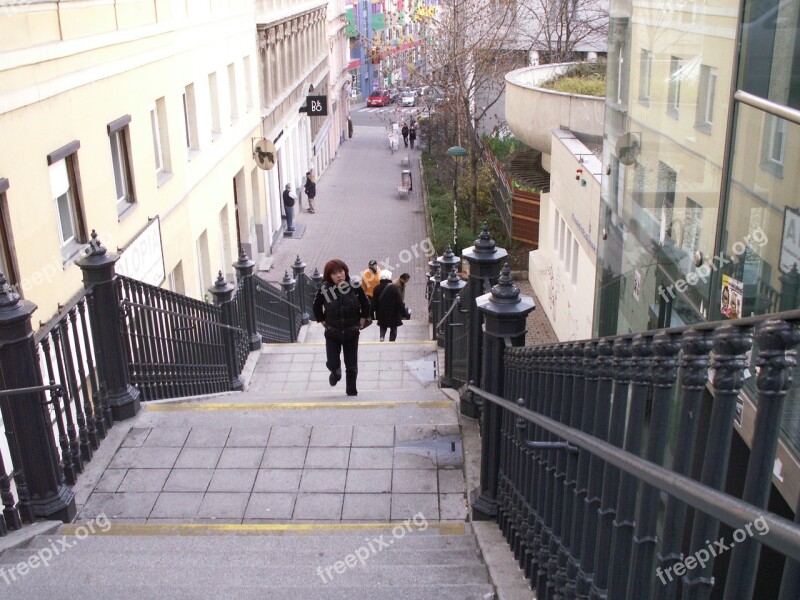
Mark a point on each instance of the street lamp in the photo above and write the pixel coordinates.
(456, 152)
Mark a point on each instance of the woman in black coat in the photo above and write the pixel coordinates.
(342, 308)
(388, 307)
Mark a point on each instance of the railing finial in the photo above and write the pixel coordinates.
(485, 243)
(8, 296)
(96, 247)
(452, 277)
(505, 292)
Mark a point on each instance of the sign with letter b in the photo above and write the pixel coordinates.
(317, 106)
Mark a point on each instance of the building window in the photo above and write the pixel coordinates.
(63, 171)
(705, 98)
(213, 94)
(234, 101)
(674, 90)
(665, 199)
(158, 126)
(175, 279)
(119, 141)
(645, 69)
(774, 144)
(574, 261)
(8, 264)
(190, 119)
(248, 85)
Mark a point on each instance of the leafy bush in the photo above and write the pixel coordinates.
(502, 147)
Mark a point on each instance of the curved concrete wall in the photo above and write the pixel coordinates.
(532, 112)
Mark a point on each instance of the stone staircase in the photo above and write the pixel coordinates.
(288, 490)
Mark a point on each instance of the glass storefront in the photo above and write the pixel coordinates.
(701, 210)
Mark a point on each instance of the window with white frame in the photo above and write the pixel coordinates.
(248, 85)
(160, 133)
(213, 94)
(63, 172)
(119, 142)
(234, 101)
(705, 98)
(190, 118)
(773, 144)
(674, 88)
(645, 70)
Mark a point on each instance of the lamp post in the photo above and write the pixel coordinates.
(456, 152)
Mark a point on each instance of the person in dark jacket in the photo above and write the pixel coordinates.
(412, 136)
(288, 206)
(404, 131)
(311, 191)
(342, 307)
(387, 306)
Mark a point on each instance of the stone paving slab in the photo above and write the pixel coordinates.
(370, 475)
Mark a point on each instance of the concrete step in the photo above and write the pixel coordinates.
(226, 589)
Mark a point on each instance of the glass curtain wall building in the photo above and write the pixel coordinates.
(701, 202)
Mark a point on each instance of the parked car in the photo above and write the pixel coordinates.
(409, 98)
(379, 98)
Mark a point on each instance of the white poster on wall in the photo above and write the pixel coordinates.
(790, 241)
(143, 259)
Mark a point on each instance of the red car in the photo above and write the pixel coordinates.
(379, 98)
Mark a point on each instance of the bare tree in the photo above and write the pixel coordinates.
(470, 49)
(559, 28)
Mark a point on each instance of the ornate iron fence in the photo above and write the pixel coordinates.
(277, 316)
(579, 477)
(175, 345)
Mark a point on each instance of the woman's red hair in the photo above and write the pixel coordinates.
(332, 265)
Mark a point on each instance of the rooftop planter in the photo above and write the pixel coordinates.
(533, 111)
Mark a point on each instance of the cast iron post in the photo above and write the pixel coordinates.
(447, 261)
(298, 268)
(222, 293)
(451, 288)
(245, 269)
(505, 313)
(99, 277)
(287, 285)
(484, 259)
(433, 265)
(38, 479)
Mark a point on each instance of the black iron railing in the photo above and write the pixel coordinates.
(277, 316)
(175, 344)
(609, 473)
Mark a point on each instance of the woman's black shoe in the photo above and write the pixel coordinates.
(334, 377)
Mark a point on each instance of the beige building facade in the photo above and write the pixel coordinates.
(138, 120)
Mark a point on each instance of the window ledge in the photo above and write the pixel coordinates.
(162, 178)
(192, 153)
(704, 128)
(773, 167)
(127, 209)
(644, 101)
(70, 253)
(215, 135)
(671, 112)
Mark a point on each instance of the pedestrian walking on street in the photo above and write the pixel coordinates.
(370, 279)
(401, 282)
(405, 134)
(412, 136)
(342, 307)
(388, 307)
(311, 191)
(288, 206)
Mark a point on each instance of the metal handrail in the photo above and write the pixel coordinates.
(783, 536)
(63, 311)
(276, 295)
(457, 302)
(181, 315)
(37, 388)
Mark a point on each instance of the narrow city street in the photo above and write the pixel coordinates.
(360, 215)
